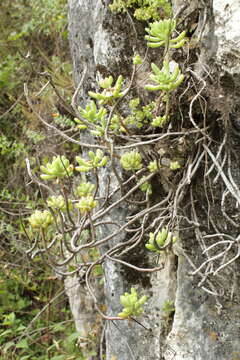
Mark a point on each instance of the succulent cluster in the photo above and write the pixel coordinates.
(160, 33)
(146, 187)
(60, 167)
(40, 219)
(86, 204)
(131, 160)
(159, 121)
(58, 203)
(158, 242)
(132, 306)
(92, 114)
(153, 166)
(140, 115)
(110, 92)
(167, 79)
(95, 161)
(85, 189)
(144, 10)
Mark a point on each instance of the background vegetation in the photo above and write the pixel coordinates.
(35, 320)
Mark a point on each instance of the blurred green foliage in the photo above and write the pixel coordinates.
(22, 296)
(33, 40)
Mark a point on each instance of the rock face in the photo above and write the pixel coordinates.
(226, 17)
(204, 325)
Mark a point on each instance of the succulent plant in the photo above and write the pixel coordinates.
(159, 121)
(60, 167)
(96, 160)
(58, 203)
(85, 189)
(158, 241)
(137, 60)
(160, 33)
(175, 165)
(110, 92)
(167, 79)
(131, 160)
(132, 305)
(146, 187)
(92, 114)
(86, 204)
(40, 219)
(153, 166)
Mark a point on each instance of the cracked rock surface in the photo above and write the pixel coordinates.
(201, 327)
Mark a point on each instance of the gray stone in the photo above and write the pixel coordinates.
(203, 326)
